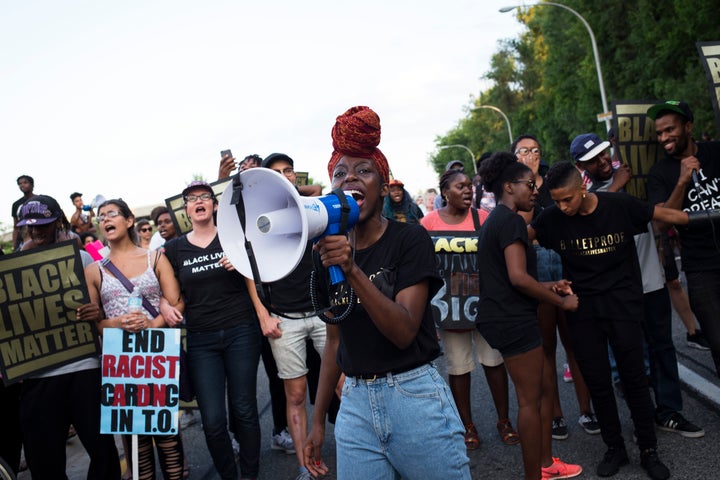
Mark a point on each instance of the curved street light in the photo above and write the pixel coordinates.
(443, 147)
(507, 121)
(594, 47)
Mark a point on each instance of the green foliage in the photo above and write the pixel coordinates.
(546, 81)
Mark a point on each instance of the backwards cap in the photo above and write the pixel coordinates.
(357, 133)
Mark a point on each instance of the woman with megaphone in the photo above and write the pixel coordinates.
(387, 344)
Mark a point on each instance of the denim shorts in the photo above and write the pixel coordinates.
(549, 265)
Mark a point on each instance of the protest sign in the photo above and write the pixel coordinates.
(454, 306)
(40, 290)
(710, 56)
(636, 142)
(176, 204)
(140, 391)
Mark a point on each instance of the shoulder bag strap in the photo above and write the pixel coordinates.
(476, 218)
(128, 285)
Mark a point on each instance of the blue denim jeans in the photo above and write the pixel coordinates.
(704, 293)
(404, 425)
(549, 264)
(214, 358)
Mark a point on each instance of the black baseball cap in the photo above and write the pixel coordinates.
(675, 106)
(276, 157)
(39, 210)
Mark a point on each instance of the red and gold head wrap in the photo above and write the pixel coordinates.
(357, 133)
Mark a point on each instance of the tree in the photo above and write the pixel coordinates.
(546, 80)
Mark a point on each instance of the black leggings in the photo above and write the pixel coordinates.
(170, 453)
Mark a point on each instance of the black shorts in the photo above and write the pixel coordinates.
(512, 337)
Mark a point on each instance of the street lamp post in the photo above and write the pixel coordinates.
(594, 47)
(507, 121)
(472, 155)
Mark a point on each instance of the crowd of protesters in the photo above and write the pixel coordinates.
(560, 250)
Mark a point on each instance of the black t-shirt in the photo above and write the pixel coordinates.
(214, 298)
(598, 250)
(402, 257)
(290, 294)
(542, 201)
(16, 207)
(699, 242)
(498, 298)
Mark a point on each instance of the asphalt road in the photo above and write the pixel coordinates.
(686, 458)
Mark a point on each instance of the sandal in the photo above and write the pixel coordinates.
(507, 433)
(472, 441)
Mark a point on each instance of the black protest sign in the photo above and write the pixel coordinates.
(636, 142)
(455, 304)
(40, 291)
(710, 56)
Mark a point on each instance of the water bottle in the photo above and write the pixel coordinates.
(135, 300)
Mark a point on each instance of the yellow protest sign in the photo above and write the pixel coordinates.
(40, 291)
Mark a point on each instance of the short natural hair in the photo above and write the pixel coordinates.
(562, 174)
(25, 177)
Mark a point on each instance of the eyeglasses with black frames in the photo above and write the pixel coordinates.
(195, 198)
(524, 152)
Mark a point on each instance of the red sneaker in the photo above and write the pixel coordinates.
(560, 469)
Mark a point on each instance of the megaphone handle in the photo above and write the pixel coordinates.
(336, 274)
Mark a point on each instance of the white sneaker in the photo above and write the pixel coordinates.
(283, 441)
(188, 418)
(235, 447)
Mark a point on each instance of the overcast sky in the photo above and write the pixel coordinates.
(131, 99)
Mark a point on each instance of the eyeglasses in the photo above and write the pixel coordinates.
(523, 152)
(195, 198)
(530, 183)
(286, 171)
(146, 229)
(111, 214)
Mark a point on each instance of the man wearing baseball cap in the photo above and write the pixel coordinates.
(591, 156)
(687, 178)
(53, 400)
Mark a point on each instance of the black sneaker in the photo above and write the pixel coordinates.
(589, 423)
(653, 466)
(559, 429)
(678, 424)
(613, 459)
(697, 340)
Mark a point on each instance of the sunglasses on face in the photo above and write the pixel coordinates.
(146, 229)
(530, 183)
